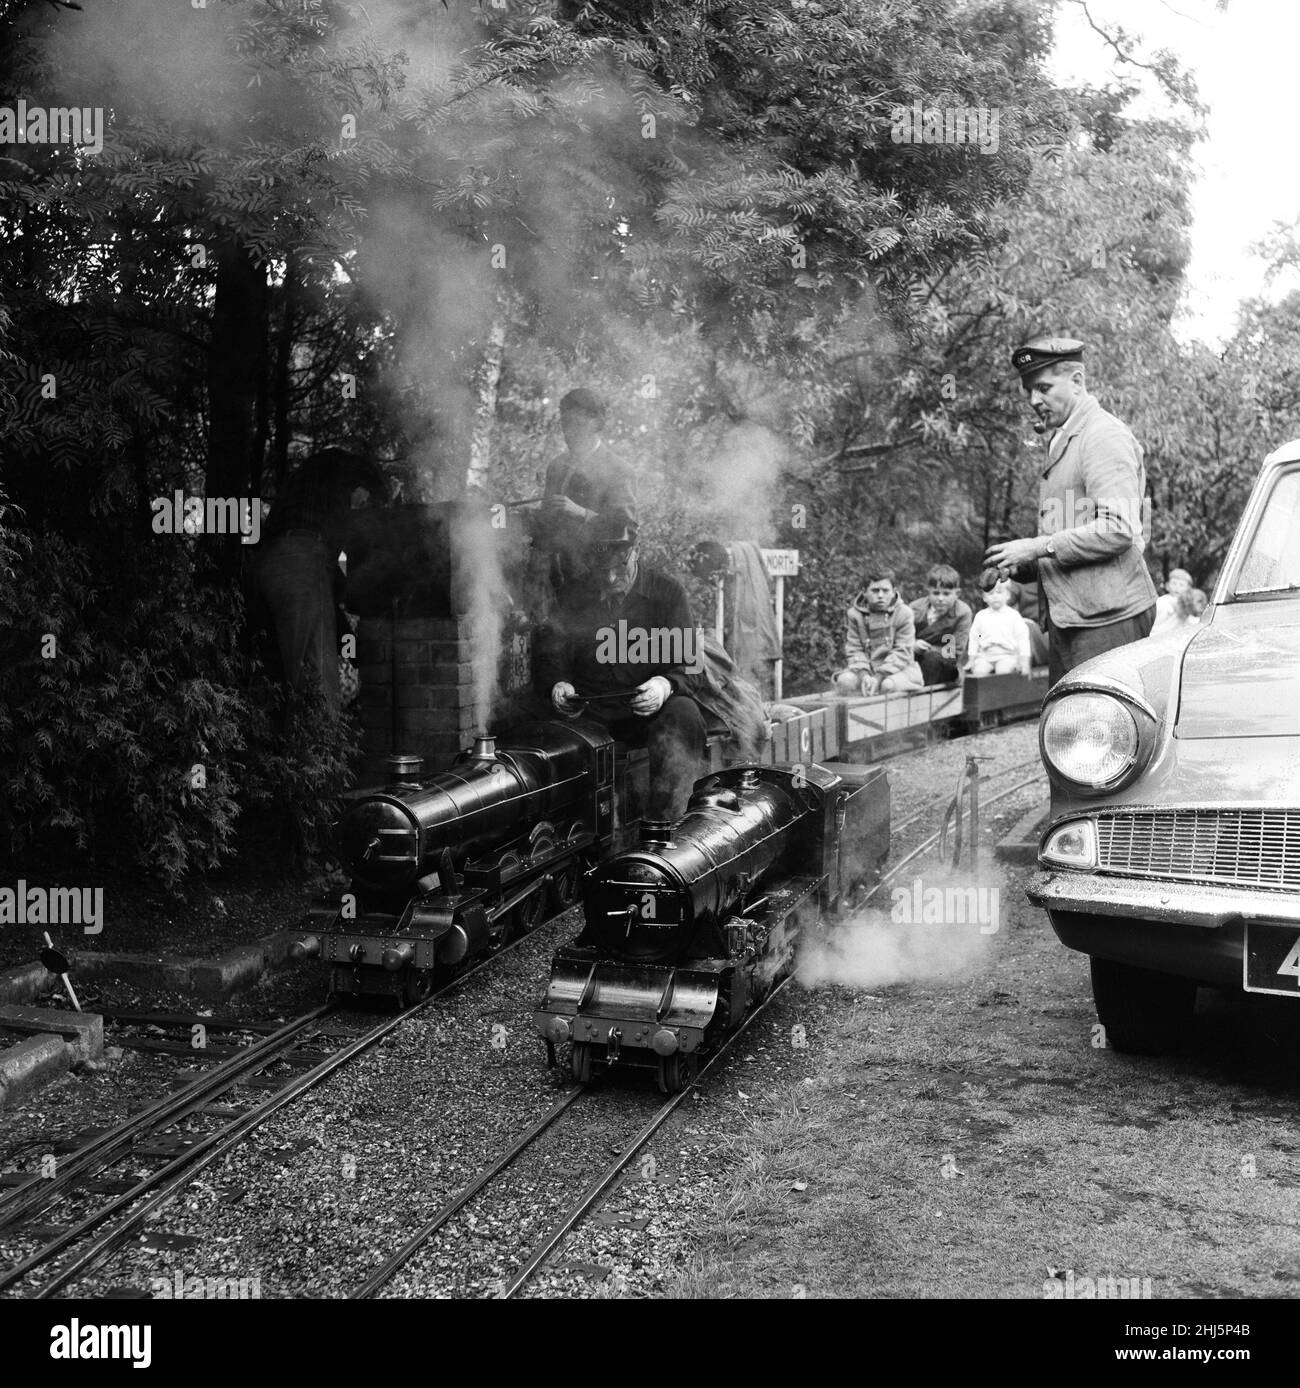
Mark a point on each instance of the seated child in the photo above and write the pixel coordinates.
(1167, 619)
(878, 643)
(942, 623)
(999, 635)
(1038, 651)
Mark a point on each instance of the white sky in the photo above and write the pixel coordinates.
(1244, 61)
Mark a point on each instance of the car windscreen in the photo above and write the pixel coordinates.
(1272, 560)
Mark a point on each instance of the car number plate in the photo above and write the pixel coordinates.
(1272, 958)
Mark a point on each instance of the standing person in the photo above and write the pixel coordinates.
(1088, 551)
(617, 650)
(296, 574)
(942, 621)
(878, 641)
(589, 481)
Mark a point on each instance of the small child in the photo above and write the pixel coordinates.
(1177, 584)
(1190, 606)
(999, 635)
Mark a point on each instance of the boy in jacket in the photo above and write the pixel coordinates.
(878, 641)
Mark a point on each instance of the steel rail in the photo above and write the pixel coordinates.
(115, 1144)
(600, 1186)
(929, 843)
(403, 1255)
(185, 1166)
(594, 1192)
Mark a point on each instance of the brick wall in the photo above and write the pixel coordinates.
(435, 686)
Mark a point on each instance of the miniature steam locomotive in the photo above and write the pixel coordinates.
(446, 866)
(688, 931)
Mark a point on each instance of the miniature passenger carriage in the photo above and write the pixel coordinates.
(689, 930)
(446, 866)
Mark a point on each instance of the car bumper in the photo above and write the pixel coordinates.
(1182, 928)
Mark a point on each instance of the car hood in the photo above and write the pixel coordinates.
(1241, 675)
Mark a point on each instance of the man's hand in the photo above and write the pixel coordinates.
(1012, 553)
(651, 695)
(564, 506)
(870, 683)
(565, 698)
(1023, 668)
(919, 645)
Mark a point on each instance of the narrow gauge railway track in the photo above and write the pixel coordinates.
(597, 1189)
(133, 1202)
(591, 1195)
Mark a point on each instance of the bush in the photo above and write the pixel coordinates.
(128, 728)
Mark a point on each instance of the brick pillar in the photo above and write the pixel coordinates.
(435, 687)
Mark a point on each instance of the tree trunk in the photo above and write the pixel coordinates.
(234, 358)
(485, 403)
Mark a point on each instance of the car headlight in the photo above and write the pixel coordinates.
(1070, 845)
(1090, 739)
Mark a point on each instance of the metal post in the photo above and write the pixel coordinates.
(778, 666)
(720, 580)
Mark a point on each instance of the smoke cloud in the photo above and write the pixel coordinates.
(937, 925)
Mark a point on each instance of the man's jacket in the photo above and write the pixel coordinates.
(879, 641)
(607, 648)
(1090, 500)
(954, 624)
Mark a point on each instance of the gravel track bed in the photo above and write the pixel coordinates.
(488, 1240)
(640, 1242)
(323, 1192)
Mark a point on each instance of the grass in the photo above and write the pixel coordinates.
(964, 1139)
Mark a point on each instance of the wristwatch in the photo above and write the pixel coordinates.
(1050, 549)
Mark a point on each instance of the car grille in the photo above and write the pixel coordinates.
(1246, 848)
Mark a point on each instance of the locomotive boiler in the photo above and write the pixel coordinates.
(445, 866)
(690, 929)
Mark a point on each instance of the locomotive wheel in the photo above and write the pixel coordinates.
(676, 1071)
(564, 885)
(417, 986)
(527, 915)
(580, 1061)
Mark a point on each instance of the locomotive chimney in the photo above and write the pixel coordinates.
(485, 749)
(656, 833)
(404, 767)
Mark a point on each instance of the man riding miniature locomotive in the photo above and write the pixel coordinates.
(622, 648)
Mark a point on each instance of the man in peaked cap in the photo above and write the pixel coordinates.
(1087, 554)
(623, 648)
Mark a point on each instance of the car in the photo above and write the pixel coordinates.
(1171, 854)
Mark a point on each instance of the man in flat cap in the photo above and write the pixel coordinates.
(1087, 554)
(623, 648)
(588, 482)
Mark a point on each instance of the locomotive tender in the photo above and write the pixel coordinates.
(689, 930)
(446, 866)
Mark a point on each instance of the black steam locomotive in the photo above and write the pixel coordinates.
(445, 866)
(685, 933)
